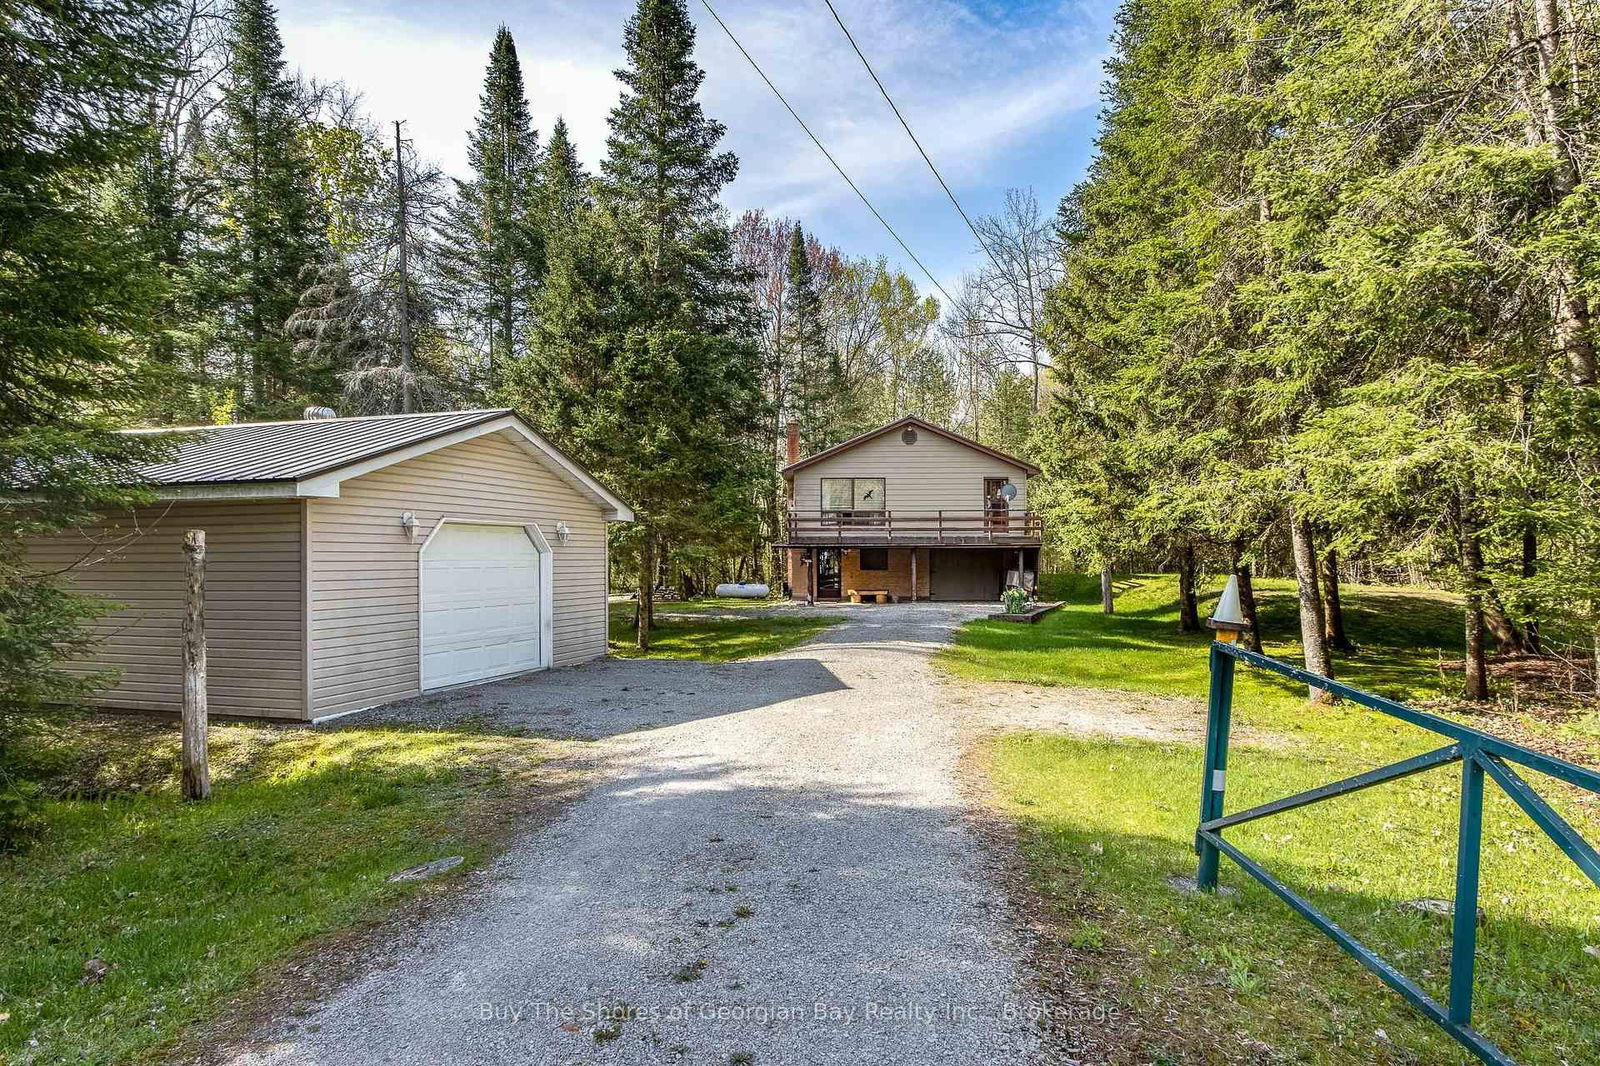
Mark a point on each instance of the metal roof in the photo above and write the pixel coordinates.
(290, 451)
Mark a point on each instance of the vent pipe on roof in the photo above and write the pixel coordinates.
(319, 412)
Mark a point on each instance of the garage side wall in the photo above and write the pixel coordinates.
(364, 567)
(254, 601)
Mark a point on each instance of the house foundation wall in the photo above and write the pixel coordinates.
(896, 580)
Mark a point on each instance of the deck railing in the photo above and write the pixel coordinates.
(1481, 755)
(915, 527)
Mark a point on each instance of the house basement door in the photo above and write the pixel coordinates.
(481, 610)
(965, 574)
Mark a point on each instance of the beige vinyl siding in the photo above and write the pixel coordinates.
(934, 474)
(364, 568)
(254, 603)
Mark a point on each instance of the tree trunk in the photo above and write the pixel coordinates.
(1530, 568)
(196, 757)
(1332, 609)
(1247, 603)
(1572, 323)
(1313, 637)
(1507, 637)
(407, 404)
(645, 617)
(1188, 605)
(1477, 672)
(1108, 603)
(1597, 659)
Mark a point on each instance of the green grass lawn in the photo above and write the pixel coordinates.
(719, 603)
(1402, 637)
(190, 902)
(717, 640)
(1104, 823)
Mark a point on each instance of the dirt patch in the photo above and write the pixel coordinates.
(1543, 701)
(1093, 712)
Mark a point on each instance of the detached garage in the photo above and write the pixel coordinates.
(351, 562)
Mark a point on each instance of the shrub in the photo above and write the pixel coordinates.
(19, 812)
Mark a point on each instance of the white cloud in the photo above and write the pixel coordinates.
(431, 77)
(980, 90)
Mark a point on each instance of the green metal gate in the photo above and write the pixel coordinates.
(1480, 755)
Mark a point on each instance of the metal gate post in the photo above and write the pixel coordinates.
(1464, 932)
(1218, 722)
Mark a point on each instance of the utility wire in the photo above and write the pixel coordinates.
(926, 159)
(907, 127)
(875, 214)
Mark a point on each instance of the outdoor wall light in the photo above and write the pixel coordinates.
(408, 522)
(563, 534)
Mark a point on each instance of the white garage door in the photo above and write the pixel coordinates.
(481, 609)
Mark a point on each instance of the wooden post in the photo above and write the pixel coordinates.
(1108, 603)
(196, 760)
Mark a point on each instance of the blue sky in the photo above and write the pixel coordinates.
(1001, 95)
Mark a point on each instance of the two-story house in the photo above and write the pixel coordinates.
(911, 510)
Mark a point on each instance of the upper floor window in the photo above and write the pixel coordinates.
(852, 495)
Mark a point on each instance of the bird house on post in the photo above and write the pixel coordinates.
(1228, 618)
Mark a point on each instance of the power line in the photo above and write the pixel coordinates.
(926, 159)
(821, 148)
(907, 127)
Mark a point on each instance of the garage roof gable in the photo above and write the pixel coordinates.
(313, 457)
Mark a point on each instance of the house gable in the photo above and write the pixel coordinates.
(918, 427)
(939, 471)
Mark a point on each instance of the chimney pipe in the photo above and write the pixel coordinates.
(794, 441)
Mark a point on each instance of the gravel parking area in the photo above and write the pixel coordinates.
(775, 867)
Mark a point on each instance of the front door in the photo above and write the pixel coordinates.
(828, 573)
(996, 506)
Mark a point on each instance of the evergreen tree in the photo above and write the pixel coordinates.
(270, 226)
(562, 185)
(493, 255)
(653, 354)
(814, 372)
(371, 310)
(77, 291)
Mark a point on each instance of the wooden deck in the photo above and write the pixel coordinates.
(1009, 529)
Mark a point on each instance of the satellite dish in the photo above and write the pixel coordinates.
(1008, 492)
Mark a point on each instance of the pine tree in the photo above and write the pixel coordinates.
(77, 292)
(270, 225)
(648, 366)
(562, 189)
(493, 257)
(812, 369)
(370, 311)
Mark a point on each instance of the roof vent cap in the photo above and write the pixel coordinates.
(313, 412)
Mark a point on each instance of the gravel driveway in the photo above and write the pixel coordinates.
(775, 868)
